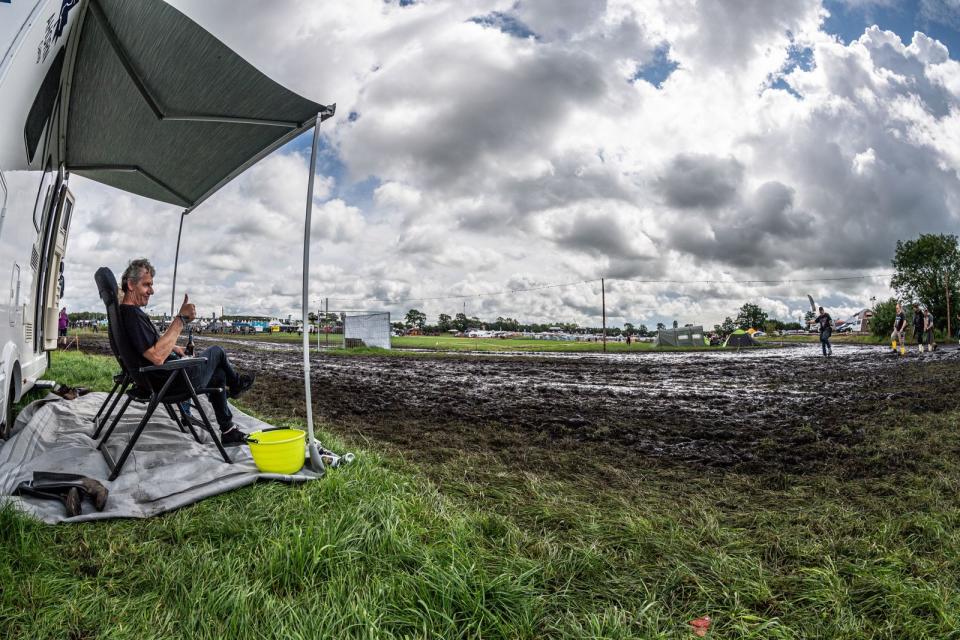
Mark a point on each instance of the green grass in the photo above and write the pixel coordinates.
(475, 548)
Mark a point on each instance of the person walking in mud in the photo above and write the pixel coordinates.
(918, 331)
(826, 330)
(928, 329)
(899, 328)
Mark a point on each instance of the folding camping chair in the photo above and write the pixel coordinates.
(137, 383)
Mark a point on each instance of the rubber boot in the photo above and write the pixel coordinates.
(89, 488)
(70, 498)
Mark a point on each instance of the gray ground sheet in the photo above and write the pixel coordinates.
(166, 470)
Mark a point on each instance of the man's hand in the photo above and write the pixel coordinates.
(187, 309)
(179, 351)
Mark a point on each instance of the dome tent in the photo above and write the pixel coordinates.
(740, 338)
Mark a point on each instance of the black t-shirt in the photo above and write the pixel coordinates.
(140, 331)
(824, 320)
(900, 321)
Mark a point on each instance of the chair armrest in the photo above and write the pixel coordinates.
(174, 365)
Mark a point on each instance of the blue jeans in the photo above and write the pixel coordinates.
(825, 342)
(216, 372)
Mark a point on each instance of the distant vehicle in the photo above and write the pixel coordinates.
(845, 327)
(759, 334)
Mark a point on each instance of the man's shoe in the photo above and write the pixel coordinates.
(232, 436)
(243, 384)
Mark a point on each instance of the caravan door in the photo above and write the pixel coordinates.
(60, 226)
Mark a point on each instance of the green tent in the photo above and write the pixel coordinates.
(740, 338)
(690, 336)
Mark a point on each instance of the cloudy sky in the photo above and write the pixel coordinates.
(682, 149)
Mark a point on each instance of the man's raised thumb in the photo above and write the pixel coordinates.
(186, 298)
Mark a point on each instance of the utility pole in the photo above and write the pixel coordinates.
(946, 285)
(326, 316)
(603, 301)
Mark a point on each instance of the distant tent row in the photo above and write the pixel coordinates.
(693, 337)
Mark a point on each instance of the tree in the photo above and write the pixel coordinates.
(661, 326)
(415, 319)
(460, 322)
(628, 329)
(924, 268)
(750, 315)
(643, 332)
(444, 322)
(881, 324)
(674, 324)
(726, 328)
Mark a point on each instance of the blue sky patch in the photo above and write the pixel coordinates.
(505, 23)
(902, 17)
(797, 58)
(657, 70)
(355, 193)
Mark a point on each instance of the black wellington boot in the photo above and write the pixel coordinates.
(89, 488)
(70, 496)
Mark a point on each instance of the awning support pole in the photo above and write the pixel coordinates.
(315, 462)
(176, 261)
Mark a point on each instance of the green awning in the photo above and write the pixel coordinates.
(159, 107)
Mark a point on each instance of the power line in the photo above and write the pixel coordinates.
(793, 281)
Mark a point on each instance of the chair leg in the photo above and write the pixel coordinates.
(102, 421)
(173, 416)
(206, 421)
(96, 418)
(115, 469)
(116, 419)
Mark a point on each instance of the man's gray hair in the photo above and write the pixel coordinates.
(135, 271)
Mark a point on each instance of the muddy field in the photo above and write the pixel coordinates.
(764, 411)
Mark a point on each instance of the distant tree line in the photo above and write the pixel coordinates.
(85, 316)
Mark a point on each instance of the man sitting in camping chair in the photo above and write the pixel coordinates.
(155, 349)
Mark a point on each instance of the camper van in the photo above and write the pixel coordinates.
(35, 201)
(89, 87)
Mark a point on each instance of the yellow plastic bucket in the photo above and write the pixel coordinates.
(278, 450)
